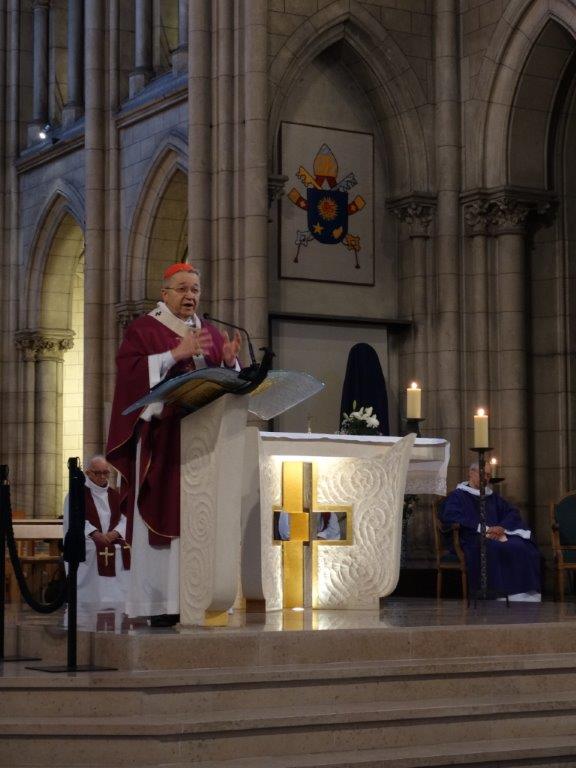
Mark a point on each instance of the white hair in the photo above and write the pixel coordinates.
(96, 457)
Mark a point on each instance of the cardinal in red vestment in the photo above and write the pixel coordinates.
(144, 446)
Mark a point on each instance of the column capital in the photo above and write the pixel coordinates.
(44, 344)
(276, 186)
(416, 211)
(477, 217)
(126, 311)
(507, 210)
(508, 215)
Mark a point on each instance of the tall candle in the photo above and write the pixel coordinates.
(494, 466)
(413, 402)
(480, 429)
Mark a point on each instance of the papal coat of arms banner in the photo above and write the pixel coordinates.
(327, 214)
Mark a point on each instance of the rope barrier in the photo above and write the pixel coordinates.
(6, 523)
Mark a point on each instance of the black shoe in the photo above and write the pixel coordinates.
(165, 620)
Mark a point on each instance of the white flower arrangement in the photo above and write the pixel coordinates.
(361, 421)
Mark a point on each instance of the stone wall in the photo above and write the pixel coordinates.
(471, 105)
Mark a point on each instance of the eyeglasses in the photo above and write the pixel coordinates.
(182, 289)
(100, 472)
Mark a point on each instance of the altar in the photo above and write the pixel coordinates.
(240, 486)
(360, 479)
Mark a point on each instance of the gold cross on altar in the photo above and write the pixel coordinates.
(299, 563)
(106, 553)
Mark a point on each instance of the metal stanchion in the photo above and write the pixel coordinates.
(484, 593)
(74, 554)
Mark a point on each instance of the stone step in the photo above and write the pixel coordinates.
(35, 694)
(548, 752)
(551, 752)
(249, 648)
(284, 731)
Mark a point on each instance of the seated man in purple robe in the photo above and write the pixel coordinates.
(513, 559)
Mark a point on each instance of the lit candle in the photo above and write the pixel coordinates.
(494, 466)
(413, 402)
(480, 429)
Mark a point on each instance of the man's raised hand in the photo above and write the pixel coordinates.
(194, 343)
(231, 348)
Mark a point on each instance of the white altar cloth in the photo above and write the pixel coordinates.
(428, 460)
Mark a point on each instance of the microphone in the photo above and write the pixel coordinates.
(207, 316)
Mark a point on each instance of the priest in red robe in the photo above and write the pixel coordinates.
(144, 446)
(102, 578)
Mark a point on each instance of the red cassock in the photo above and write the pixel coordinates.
(158, 494)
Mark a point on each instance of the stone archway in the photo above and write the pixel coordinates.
(158, 234)
(381, 71)
(168, 240)
(521, 286)
(53, 373)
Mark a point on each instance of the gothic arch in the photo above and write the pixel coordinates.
(52, 308)
(169, 161)
(383, 70)
(500, 84)
(64, 203)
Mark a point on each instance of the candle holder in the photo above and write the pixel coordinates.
(413, 426)
(496, 480)
(483, 593)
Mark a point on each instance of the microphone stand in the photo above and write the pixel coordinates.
(251, 372)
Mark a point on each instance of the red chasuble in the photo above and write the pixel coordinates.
(106, 553)
(159, 487)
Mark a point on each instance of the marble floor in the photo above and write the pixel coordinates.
(393, 613)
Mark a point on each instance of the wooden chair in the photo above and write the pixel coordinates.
(449, 554)
(563, 530)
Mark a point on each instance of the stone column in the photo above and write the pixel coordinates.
(95, 272)
(446, 416)
(46, 350)
(112, 261)
(41, 10)
(226, 133)
(143, 28)
(252, 205)
(227, 139)
(11, 397)
(416, 213)
(180, 55)
(199, 140)
(479, 337)
(509, 218)
(74, 106)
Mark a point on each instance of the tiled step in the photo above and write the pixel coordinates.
(28, 694)
(285, 731)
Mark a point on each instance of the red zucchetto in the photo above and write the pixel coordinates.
(174, 268)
